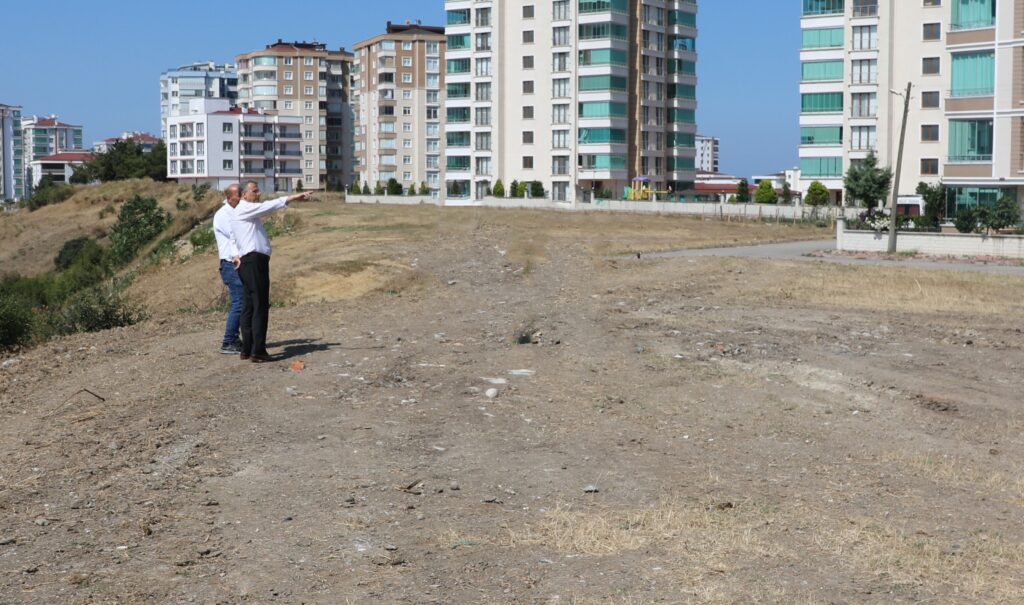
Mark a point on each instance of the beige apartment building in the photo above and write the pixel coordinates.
(307, 80)
(965, 62)
(397, 99)
(583, 96)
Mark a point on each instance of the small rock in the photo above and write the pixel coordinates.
(8, 541)
(350, 500)
(420, 516)
(591, 489)
(390, 547)
(10, 363)
(454, 486)
(491, 393)
(115, 445)
(293, 391)
(42, 521)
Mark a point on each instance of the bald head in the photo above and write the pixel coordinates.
(233, 194)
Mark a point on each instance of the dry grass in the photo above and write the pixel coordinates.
(831, 286)
(983, 568)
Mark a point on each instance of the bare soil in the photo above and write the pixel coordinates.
(704, 430)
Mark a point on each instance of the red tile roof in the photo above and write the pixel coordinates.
(68, 156)
(52, 122)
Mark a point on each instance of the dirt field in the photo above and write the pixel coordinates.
(706, 430)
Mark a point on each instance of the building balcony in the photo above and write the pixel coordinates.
(288, 153)
(289, 134)
(288, 171)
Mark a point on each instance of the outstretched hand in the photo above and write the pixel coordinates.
(299, 197)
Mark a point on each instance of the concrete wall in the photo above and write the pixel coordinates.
(937, 244)
(748, 211)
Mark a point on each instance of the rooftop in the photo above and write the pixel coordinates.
(68, 156)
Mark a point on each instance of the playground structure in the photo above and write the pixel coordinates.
(640, 191)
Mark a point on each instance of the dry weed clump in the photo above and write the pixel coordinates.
(982, 567)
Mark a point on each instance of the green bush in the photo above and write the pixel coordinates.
(202, 238)
(355, 188)
(47, 193)
(537, 189)
(765, 193)
(966, 220)
(366, 188)
(15, 322)
(394, 187)
(817, 194)
(499, 189)
(424, 190)
(139, 221)
(70, 251)
(94, 309)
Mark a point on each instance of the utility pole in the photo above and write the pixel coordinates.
(893, 203)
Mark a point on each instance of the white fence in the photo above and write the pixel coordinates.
(935, 244)
(745, 211)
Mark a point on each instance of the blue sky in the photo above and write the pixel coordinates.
(98, 63)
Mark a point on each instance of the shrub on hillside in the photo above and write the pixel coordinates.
(15, 322)
(98, 308)
(47, 193)
(70, 251)
(202, 238)
(139, 221)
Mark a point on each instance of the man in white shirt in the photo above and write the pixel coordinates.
(254, 269)
(229, 261)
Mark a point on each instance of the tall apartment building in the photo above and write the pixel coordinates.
(203, 80)
(210, 141)
(306, 80)
(12, 154)
(397, 99)
(42, 137)
(707, 154)
(580, 95)
(857, 55)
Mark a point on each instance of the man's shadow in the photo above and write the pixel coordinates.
(300, 347)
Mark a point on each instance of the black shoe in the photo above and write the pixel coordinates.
(262, 358)
(231, 349)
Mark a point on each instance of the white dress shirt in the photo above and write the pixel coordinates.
(250, 236)
(226, 245)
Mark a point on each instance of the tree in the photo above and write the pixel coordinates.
(424, 190)
(1005, 214)
(157, 160)
(355, 188)
(139, 221)
(934, 197)
(765, 193)
(787, 193)
(298, 185)
(966, 220)
(411, 190)
(743, 192)
(514, 189)
(499, 189)
(379, 189)
(866, 182)
(366, 188)
(817, 195)
(537, 190)
(394, 187)
(731, 200)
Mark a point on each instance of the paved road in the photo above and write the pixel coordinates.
(799, 250)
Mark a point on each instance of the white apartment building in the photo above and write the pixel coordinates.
(963, 129)
(397, 99)
(583, 96)
(707, 153)
(45, 136)
(311, 82)
(210, 141)
(203, 80)
(12, 154)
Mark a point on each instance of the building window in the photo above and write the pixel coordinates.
(929, 133)
(528, 36)
(528, 112)
(528, 11)
(528, 137)
(931, 66)
(929, 167)
(932, 31)
(229, 165)
(528, 62)
(528, 162)
(930, 100)
(528, 87)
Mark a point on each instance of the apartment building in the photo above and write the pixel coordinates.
(202, 80)
(857, 57)
(211, 141)
(583, 96)
(707, 154)
(46, 136)
(12, 154)
(984, 106)
(397, 99)
(145, 140)
(311, 82)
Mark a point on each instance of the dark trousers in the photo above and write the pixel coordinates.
(255, 274)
